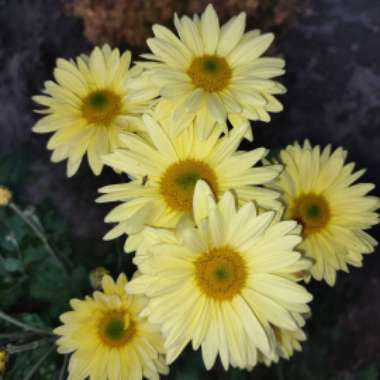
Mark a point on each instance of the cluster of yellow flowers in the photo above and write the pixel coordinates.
(224, 239)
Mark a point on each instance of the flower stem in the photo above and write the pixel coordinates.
(24, 326)
(63, 370)
(34, 369)
(13, 349)
(38, 233)
(280, 371)
(17, 335)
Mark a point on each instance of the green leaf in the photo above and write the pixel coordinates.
(33, 319)
(18, 228)
(12, 265)
(11, 290)
(33, 255)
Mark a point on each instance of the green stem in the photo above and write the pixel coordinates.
(280, 371)
(13, 349)
(38, 233)
(24, 326)
(15, 243)
(17, 335)
(62, 372)
(34, 369)
(120, 254)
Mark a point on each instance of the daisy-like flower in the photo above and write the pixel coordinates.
(214, 71)
(286, 342)
(93, 99)
(220, 285)
(319, 192)
(108, 339)
(164, 172)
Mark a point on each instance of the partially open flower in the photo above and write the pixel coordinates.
(5, 196)
(96, 277)
(3, 361)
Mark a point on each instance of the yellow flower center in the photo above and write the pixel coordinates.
(220, 273)
(178, 182)
(101, 107)
(116, 329)
(312, 211)
(210, 72)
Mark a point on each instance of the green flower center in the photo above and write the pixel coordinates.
(116, 329)
(210, 66)
(188, 180)
(101, 107)
(220, 273)
(98, 100)
(210, 72)
(312, 211)
(178, 182)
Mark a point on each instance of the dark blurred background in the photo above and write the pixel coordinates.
(332, 52)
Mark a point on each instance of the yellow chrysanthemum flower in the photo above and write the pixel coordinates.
(214, 72)
(220, 285)
(3, 361)
(95, 98)
(165, 170)
(5, 196)
(286, 342)
(318, 191)
(108, 339)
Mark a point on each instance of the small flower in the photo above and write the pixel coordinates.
(5, 196)
(318, 190)
(3, 361)
(96, 277)
(108, 338)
